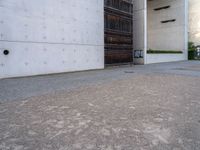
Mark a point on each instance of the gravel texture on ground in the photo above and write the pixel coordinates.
(151, 110)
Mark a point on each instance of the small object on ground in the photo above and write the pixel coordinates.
(129, 72)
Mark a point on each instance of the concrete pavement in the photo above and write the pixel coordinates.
(127, 108)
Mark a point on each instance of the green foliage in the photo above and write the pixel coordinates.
(191, 50)
(191, 46)
(191, 54)
(150, 51)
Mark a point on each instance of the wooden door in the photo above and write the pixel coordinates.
(118, 28)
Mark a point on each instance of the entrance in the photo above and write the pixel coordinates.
(118, 28)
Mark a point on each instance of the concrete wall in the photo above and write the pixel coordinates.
(166, 36)
(159, 58)
(150, 33)
(139, 28)
(194, 20)
(51, 36)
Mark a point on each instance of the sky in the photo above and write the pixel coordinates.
(194, 21)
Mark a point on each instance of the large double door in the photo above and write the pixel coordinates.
(118, 28)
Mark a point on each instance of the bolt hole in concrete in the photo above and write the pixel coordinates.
(6, 52)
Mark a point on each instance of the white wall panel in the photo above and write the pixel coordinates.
(160, 58)
(150, 33)
(139, 28)
(34, 59)
(166, 36)
(51, 36)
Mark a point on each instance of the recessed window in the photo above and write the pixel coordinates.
(160, 8)
(167, 21)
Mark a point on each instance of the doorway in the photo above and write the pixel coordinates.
(118, 31)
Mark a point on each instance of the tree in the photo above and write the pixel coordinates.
(191, 46)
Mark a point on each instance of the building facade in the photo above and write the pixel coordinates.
(160, 30)
(54, 36)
